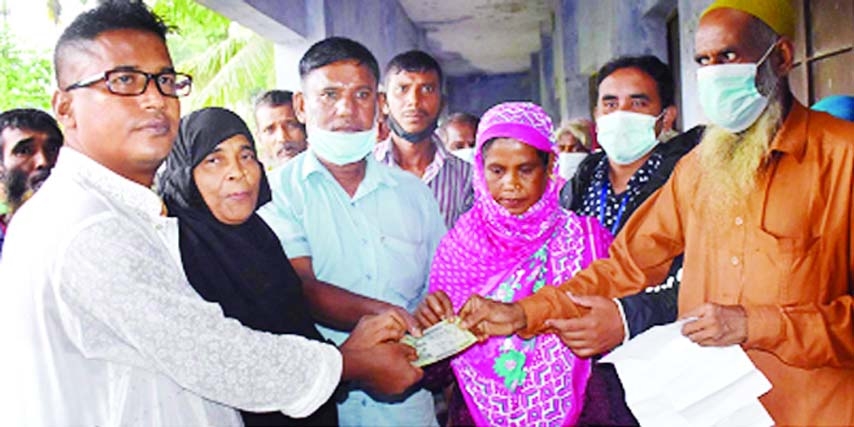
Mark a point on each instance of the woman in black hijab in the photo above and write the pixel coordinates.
(213, 183)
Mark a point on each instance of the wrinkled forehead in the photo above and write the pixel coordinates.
(13, 135)
(344, 74)
(723, 29)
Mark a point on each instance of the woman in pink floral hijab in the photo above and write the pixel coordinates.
(515, 240)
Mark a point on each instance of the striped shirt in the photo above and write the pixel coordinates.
(447, 176)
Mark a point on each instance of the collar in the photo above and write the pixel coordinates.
(375, 173)
(792, 136)
(384, 153)
(116, 187)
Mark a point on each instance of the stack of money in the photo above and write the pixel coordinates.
(440, 341)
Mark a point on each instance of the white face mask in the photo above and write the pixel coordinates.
(466, 154)
(341, 148)
(729, 96)
(626, 136)
(568, 163)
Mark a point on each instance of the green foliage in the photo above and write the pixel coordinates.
(25, 76)
(195, 27)
(229, 64)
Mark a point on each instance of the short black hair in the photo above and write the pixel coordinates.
(651, 66)
(109, 15)
(334, 49)
(274, 98)
(29, 119)
(460, 117)
(414, 61)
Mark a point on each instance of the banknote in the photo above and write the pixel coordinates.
(441, 340)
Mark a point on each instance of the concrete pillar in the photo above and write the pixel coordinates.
(689, 16)
(548, 98)
(573, 85)
(534, 75)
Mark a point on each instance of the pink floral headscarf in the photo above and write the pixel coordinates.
(491, 252)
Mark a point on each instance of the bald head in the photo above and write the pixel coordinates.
(731, 36)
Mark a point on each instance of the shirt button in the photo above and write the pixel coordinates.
(368, 276)
(734, 260)
(738, 220)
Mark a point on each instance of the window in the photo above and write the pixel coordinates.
(824, 50)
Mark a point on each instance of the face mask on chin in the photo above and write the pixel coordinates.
(341, 148)
(729, 94)
(626, 136)
(412, 137)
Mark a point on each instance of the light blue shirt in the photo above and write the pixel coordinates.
(379, 243)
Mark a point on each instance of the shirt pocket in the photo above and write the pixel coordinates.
(407, 264)
(794, 266)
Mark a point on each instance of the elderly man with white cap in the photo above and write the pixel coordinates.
(763, 210)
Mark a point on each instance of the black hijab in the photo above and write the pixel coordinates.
(241, 267)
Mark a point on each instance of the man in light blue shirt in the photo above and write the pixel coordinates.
(361, 235)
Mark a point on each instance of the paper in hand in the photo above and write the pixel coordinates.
(440, 341)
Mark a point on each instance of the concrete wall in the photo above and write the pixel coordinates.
(294, 25)
(476, 93)
(578, 38)
(587, 34)
(381, 25)
(591, 33)
(689, 16)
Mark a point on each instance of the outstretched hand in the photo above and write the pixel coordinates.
(433, 309)
(376, 360)
(376, 329)
(598, 331)
(409, 323)
(486, 318)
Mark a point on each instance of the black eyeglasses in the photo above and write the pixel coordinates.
(135, 82)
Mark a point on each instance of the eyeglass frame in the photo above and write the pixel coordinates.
(103, 76)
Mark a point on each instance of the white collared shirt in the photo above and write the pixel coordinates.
(102, 328)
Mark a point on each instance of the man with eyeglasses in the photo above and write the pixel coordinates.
(101, 325)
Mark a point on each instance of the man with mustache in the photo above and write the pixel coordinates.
(762, 210)
(29, 143)
(360, 235)
(413, 101)
(280, 133)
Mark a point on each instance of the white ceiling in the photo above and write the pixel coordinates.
(492, 36)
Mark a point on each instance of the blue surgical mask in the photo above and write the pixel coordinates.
(729, 96)
(341, 148)
(626, 136)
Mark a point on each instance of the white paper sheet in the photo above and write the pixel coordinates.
(670, 380)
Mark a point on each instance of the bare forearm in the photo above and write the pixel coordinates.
(337, 307)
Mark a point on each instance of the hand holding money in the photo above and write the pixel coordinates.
(375, 359)
(433, 309)
(375, 329)
(442, 340)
